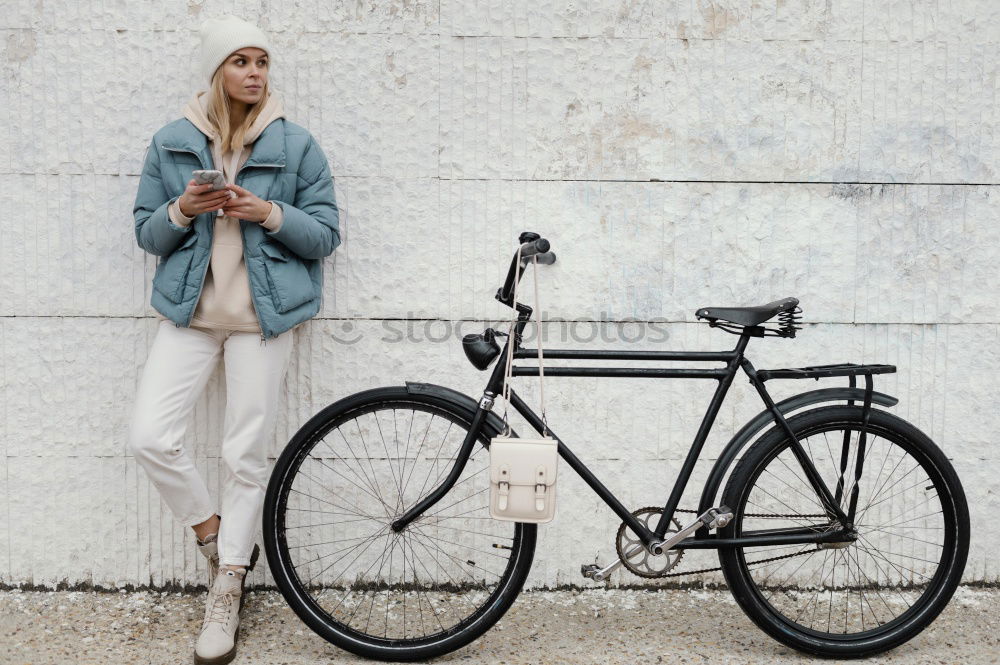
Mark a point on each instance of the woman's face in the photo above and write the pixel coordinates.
(244, 74)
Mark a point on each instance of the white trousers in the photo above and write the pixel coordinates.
(178, 366)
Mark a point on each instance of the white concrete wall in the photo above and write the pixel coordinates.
(451, 126)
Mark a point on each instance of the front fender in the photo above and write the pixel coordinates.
(763, 419)
(461, 401)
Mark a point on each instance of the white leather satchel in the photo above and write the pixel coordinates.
(523, 470)
(523, 479)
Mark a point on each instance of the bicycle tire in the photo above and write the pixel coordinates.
(937, 591)
(364, 644)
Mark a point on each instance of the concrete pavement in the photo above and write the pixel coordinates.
(570, 626)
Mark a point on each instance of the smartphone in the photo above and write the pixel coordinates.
(209, 176)
(212, 177)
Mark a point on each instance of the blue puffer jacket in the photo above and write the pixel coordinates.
(285, 267)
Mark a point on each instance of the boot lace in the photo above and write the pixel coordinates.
(220, 609)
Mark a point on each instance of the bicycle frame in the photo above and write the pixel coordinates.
(735, 360)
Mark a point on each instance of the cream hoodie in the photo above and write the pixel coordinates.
(225, 300)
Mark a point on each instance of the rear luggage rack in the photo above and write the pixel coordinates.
(850, 370)
(819, 371)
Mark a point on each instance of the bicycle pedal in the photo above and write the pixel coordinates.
(717, 518)
(594, 571)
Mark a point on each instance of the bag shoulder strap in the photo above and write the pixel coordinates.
(508, 365)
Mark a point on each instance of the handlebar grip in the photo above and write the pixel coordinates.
(531, 246)
(539, 246)
(547, 257)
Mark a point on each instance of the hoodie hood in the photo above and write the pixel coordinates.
(196, 110)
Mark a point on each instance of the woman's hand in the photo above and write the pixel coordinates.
(197, 199)
(246, 205)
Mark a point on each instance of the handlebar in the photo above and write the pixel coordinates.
(531, 245)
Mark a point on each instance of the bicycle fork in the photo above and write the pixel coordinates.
(485, 405)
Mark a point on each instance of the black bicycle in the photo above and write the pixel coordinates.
(842, 530)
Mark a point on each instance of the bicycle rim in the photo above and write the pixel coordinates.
(445, 578)
(906, 524)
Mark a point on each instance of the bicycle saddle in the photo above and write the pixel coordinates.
(748, 316)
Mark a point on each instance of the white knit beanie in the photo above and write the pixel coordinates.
(221, 36)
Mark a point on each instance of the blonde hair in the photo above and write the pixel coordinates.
(219, 108)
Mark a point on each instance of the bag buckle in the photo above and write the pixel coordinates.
(540, 489)
(504, 488)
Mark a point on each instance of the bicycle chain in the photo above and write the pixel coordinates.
(762, 515)
(748, 563)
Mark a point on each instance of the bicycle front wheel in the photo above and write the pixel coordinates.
(868, 594)
(345, 476)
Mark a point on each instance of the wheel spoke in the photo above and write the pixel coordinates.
(869, 582)
(360, 471)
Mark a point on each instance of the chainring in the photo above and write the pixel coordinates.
(642, 563)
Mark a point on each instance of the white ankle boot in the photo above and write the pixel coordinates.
(220, 629)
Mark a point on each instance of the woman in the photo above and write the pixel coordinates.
(234, 264)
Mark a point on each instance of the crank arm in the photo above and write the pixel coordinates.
(592, 571)
(713, 518)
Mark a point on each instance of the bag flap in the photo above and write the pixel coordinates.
(522, 457)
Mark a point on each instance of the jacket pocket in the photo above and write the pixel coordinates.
(172, 270)
(287, 278)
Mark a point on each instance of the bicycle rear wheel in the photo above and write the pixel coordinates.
(345, 476)
(861, 596)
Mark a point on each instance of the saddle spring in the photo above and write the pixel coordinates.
(787, 321)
